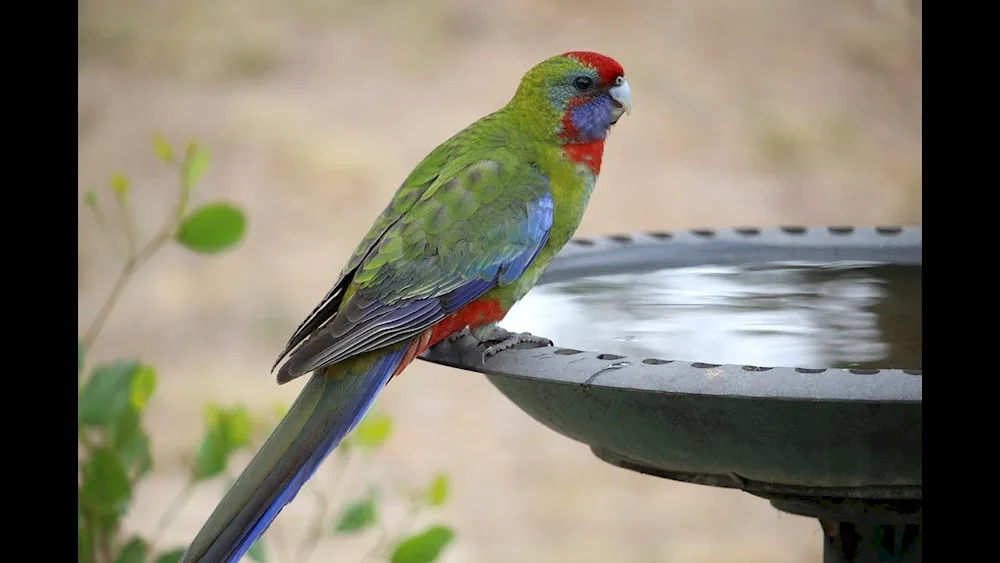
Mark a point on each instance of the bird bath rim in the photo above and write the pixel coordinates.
(591, 256)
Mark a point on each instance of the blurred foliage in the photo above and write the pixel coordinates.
(115, 448)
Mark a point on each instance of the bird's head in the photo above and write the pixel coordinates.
(576, 96)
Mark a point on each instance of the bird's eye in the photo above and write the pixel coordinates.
(583, 83)
(619, 80)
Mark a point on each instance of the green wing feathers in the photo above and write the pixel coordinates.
(457, 228)
(464, 234)
(447, 160)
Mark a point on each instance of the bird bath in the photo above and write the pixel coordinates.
(783, 362)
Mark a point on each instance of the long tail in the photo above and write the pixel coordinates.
(329, 406)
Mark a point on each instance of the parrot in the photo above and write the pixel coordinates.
(466, 235)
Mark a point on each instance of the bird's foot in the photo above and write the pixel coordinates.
(501, 339)
(458, 335)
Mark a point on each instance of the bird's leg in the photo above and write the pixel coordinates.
(498, 339)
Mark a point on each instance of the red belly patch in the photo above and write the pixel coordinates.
(478, 313)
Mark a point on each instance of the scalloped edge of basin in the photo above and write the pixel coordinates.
(836, 432)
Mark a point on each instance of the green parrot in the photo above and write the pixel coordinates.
(465, 237)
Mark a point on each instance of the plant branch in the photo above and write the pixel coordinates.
(102, 225)
(315, 533)
(385, 537)
(379, 545)
(346, 477)
(134, 259)
(132, 263)
(104, 541)
(85, 440)
(109, 303)
(171, 512)
(100, 548)
(129, 229)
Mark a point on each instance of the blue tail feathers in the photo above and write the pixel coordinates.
(327, 409)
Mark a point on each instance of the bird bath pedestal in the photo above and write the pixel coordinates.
(839, 441)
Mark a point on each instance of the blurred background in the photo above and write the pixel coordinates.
(745, 113)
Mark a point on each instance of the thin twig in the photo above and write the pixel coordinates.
(105, 540)
(383, 535)
(385, 538)
(99, 538)
(320, 493)
(132, 264)
(85, 440)
(109, 303)
(129, 228)
(171, 512)
(133, 261)
(102, 225)
(309, 547)
(346, 476)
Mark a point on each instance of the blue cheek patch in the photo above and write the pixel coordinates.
(593, 119)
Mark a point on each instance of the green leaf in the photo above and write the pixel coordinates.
(135, 551)
(106, 393)
(372, 431)
(131, 443)
(213, 414)
(84, 539)
(80, 357)
(163, 149)
(357, 516)
(143, 386)
(212, 455)
(195, 165)
(227, 430)
(437, 493)
(424, 547)
(212, 228)
(257, 552)
(105, 491)
(90, 200)
(173, 556)
(137, 455)
(108, 401)
(123, 430)
(120, 186)
(240, 427)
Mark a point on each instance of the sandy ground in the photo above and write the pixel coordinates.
(804, 112)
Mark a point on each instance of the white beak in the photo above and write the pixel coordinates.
(622, 94)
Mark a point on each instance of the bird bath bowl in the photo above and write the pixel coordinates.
(783, 362)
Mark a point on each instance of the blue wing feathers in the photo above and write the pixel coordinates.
(466, 294)
(540, 216)
(515, 268)
(534, 234)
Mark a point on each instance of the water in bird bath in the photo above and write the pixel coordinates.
(847, 315)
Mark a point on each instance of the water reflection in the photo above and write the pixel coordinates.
(810, 315)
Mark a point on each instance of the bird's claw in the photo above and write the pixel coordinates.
(502, 339)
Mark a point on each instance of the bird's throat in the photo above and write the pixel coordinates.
(587, 154)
